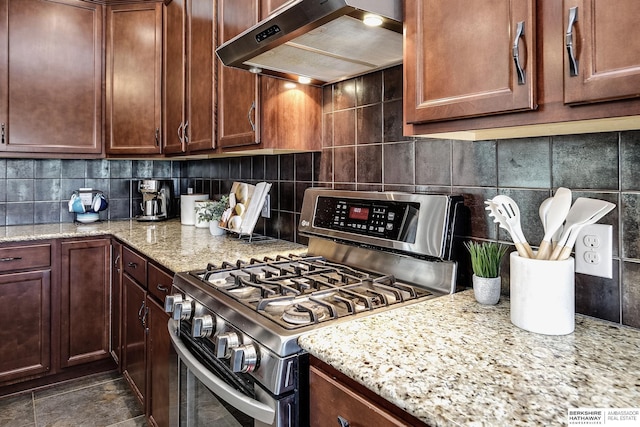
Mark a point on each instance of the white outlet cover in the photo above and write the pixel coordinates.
(602, 234)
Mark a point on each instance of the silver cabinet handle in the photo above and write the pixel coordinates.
(180, 132)
(343, 422)
(573, 62)
(140, 311)
(250, 116)
(11, 258)
(515, 51)
(162, 288)
(157, 137)
(185, 132)
(3, 132)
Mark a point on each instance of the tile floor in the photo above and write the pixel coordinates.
(97, 400)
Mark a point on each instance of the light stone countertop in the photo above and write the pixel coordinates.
(175, 246)
(450, 361)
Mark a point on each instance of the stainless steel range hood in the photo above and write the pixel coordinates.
(324, 40)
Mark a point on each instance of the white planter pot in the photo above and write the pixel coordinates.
(199, 207)
(486, 289)
(542, 295)
(215, 229)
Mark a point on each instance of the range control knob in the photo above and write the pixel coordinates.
(243, 358)
(224, 343)
(170, 302)
(182, 310)
(202, 326)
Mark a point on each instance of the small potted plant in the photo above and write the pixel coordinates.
(211, 212)
(485, 263)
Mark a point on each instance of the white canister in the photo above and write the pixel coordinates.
(542, 295)
(188, 207)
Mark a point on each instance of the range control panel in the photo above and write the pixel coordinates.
(387, 219)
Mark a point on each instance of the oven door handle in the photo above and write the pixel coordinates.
(253, 408)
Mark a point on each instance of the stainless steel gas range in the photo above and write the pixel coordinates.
(235, 325)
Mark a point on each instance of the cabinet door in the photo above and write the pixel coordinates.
(134, 334)
(133, 78)
(459, 58)
(238, 90)
(267, 7)
(85, 301)
(299, 131)
(174, 77)
(26, 325)
(332, 401)
(116, 301)
(603, 62)
(159, 364)
(200, 86)
(51, 76)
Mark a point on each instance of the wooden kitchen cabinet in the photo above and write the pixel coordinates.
(147, 349)
(25, 294)
(257, 112)
(238, 103)
(604, 96)
(336, 400)
(189, 83)
(267, 7)
(85, 311)
(134, 330)
(134, 78)
(606, 50)
(459, 58)
(50, 78)
(116, 302)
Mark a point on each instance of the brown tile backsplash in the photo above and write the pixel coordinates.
(364, 149)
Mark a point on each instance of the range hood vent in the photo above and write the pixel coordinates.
(324, 40)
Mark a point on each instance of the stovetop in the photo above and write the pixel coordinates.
(299, 291)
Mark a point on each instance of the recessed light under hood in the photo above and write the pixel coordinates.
(324, 40)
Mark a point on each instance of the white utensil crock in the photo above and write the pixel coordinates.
(188, 207)
(542, 295)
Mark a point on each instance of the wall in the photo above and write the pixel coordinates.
(364, 149)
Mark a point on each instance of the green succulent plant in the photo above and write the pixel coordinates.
(486, 258)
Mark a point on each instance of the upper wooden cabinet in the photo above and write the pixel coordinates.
(574, 64)
(189, 85)
(133, 80)
(50, 77)
(262, 113)
(267, 7)
(238, 90)
(603, 59)
(467, 59)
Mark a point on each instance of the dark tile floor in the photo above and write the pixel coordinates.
(97, 400)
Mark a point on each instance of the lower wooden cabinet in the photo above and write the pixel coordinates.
(336, 400)
(25, 349)
(84, 301)
(146, 346)
(134, 327)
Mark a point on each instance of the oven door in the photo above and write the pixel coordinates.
(202, 397)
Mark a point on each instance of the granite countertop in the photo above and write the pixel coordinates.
(175, 246)
(450, 361)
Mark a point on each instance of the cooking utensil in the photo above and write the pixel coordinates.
(584, 211)
(555, 215)
(506, 212)
(501, 220)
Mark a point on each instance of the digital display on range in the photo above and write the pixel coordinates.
(358, 213)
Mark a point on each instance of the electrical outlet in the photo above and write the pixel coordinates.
(594, 250)
(266, 208)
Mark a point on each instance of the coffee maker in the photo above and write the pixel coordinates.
(157, 199)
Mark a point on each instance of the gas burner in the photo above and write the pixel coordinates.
(304, 313)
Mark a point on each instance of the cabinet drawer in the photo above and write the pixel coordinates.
(159, 282)
(135, 266)
(25, 257)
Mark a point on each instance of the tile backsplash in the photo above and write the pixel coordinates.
(364, 149)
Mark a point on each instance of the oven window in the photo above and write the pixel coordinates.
(200, 407)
